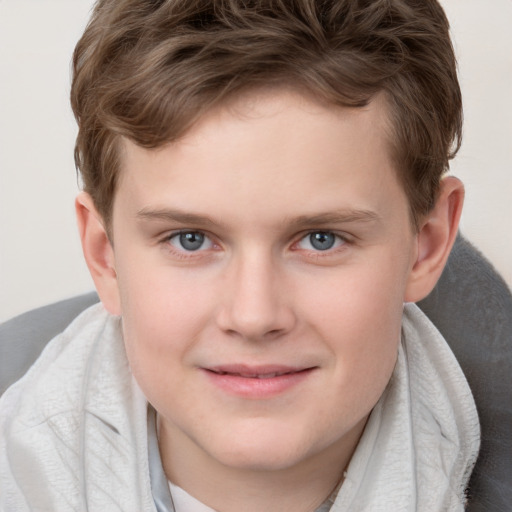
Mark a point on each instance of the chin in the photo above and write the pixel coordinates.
(265, 448)
(257, 458)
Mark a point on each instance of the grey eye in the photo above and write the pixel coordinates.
(322, 240)
(189, 240)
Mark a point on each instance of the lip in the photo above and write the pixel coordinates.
(257, 382)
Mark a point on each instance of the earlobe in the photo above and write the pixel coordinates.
(98, 252)
(435, 239)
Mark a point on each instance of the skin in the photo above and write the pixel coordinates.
(256, 178)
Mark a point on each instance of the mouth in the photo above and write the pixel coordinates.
(255, 375)
(261, 372)
(257, 382)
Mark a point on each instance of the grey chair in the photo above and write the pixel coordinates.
(471, 306)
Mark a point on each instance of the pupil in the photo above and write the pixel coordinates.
(191, 241)
(321, 240)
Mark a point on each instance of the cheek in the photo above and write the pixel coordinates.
(162, 317)
(359, 317)
(364, 300)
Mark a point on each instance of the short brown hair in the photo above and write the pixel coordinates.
(148, 69)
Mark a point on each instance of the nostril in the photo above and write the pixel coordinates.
(254, 320)
(274, 333)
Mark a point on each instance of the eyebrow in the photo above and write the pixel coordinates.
(171, 215)
(335, 217)
(300, 222)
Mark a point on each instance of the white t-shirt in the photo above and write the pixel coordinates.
(183, 502)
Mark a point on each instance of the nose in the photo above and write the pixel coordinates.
(255, 303)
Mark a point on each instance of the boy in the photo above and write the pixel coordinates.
(263, 192)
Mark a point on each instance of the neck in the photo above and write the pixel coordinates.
(302, 487)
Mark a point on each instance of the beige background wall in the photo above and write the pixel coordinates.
(40, 257)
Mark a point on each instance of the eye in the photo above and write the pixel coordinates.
(320, 241)
(190, 241)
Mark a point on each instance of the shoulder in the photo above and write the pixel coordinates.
(56, 422)
(56, 376)
(23, 337)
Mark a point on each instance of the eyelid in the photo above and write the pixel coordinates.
(213, 244)
(345, 239)
(167, 240)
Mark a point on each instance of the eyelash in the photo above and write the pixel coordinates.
(340, 239)
(184, 253)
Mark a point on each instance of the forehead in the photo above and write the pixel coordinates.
(273, 151)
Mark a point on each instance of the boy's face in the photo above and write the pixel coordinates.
(262, 263)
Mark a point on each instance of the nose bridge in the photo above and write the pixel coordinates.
(256, 305)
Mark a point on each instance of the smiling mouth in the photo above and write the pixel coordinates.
(269, 375)
(260, 382)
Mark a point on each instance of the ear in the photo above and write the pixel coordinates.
(435, 239)
(98, 252)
